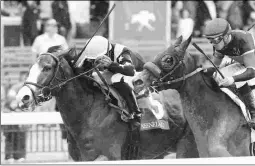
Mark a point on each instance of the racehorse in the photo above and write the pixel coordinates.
(94, 128)
(215, 120)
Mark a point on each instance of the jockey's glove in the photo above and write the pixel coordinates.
(126, 69)
(103, 61)
(227, 81)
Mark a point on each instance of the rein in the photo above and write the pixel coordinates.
(161, 83)
(45, 93)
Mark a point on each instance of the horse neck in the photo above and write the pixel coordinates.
(199, 98)
(72, 101)
(81, 105)
(195, 82)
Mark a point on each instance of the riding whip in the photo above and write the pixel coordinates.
(200, 50)
(109, 12)
(250, 27)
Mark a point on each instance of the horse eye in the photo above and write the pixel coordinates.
(46, 68)
(169, 60)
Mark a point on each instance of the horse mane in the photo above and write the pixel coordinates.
(69, 55)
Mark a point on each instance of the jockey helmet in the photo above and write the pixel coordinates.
(216, 28)
(97, 46)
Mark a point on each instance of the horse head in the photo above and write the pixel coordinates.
(45, 76)
(166, 66)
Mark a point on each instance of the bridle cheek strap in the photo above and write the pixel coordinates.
(43, 88)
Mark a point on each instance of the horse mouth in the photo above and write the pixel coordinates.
(27, 107)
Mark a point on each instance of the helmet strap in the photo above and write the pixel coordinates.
(108, 45)
(226, 42)
(109, 50)
(226, 30)
(224, 34)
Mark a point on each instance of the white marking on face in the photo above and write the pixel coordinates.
(34, 73)
(23, 92)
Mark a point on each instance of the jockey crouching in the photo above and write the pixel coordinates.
(114, 58)
(239, 46)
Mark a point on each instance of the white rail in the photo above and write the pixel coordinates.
(26, 118)
(204, 161)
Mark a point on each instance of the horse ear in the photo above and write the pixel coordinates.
(55, 48)
(178, 41)
(185, 44)
(68, 54)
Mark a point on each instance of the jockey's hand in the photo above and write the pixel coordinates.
(103, 61)
(227, 81)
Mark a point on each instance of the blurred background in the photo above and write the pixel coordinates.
(145, 26)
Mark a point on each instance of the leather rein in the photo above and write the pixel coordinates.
(160, 81)
(45, 93)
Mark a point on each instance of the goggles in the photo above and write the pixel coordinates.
(215, 40)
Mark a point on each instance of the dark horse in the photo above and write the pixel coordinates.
(216, 121)
(94, 127)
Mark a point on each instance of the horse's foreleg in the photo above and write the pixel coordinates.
(79, 149)
(73, 150)
(186, 146)
(218, 138)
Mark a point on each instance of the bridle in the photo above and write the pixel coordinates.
(180, 65)
(45, 93)
(45, 90)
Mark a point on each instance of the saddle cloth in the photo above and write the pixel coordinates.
(154, 115)
(231, 70)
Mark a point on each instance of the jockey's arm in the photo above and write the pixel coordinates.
(249, 63)
(248, 56)
(125, 65)
(217, 59)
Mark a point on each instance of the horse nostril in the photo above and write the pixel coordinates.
(25, 98)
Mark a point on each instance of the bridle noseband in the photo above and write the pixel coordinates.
(46, 90)
(160, 81)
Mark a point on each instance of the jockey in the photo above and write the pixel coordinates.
(117, 59)
(239, 46)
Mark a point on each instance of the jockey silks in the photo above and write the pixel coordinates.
(121, 54)
(241, 44)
